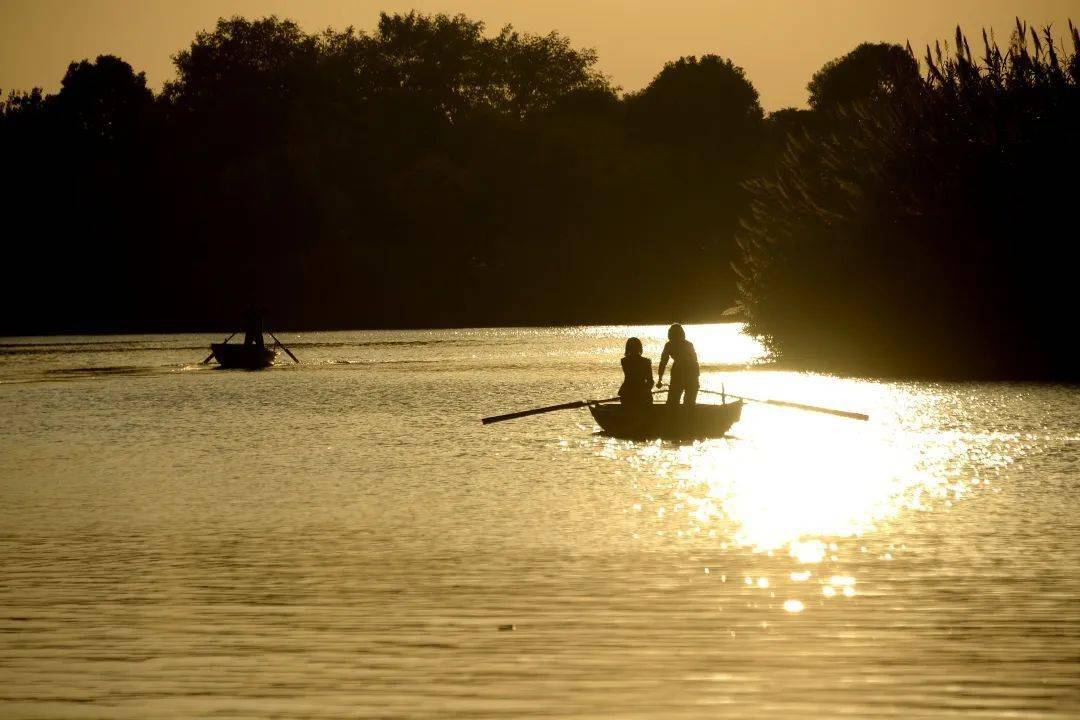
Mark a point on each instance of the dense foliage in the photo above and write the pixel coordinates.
(912, 220)
(928, 229)
(422, 174)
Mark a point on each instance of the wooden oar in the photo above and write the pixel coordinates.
(211, 355)
(795, 405)
(540, 410)
(551, 408)
(287, 350)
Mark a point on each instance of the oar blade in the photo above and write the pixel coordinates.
(824, 410)
(534, 411)
(551, 408)
(282, 345)
(795, 406)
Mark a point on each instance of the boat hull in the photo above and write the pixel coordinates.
(667, 423)
(244, 357)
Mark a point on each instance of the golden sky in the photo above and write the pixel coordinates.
(780, 43)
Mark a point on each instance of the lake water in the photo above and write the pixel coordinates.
(343, 538)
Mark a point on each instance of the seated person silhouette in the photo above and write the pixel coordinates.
(636, 389)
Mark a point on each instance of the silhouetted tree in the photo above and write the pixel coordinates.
(24, 108)
(927, 238)
(871, 72)
(705, 104)
(698, 131)
(104, 100)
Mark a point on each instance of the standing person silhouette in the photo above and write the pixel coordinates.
(637, 376)
(684, 368)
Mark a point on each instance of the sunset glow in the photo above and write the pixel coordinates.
(634, 39)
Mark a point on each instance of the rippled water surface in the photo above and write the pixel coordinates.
(343, 538)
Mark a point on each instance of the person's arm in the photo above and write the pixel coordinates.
(664, 356)
(648, 371)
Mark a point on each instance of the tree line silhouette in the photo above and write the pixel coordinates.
(428, 174)
(425, 174)
(926, 227)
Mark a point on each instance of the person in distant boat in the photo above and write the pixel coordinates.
(253, 329)
(637, 382)
(684, 367)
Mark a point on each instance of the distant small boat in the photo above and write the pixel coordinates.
(245, 357)
(668, 423)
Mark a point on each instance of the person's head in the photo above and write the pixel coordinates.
(633, 348)
(676, 332)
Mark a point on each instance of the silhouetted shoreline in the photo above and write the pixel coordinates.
(433, 174)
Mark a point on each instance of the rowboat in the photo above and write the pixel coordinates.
(669, 422)
(245, 357)
(657, 420)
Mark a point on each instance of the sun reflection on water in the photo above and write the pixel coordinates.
(805, 493)
(809, 488)
(716, 343)
(790, 481)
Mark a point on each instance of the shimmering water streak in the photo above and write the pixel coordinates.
(344, 539)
